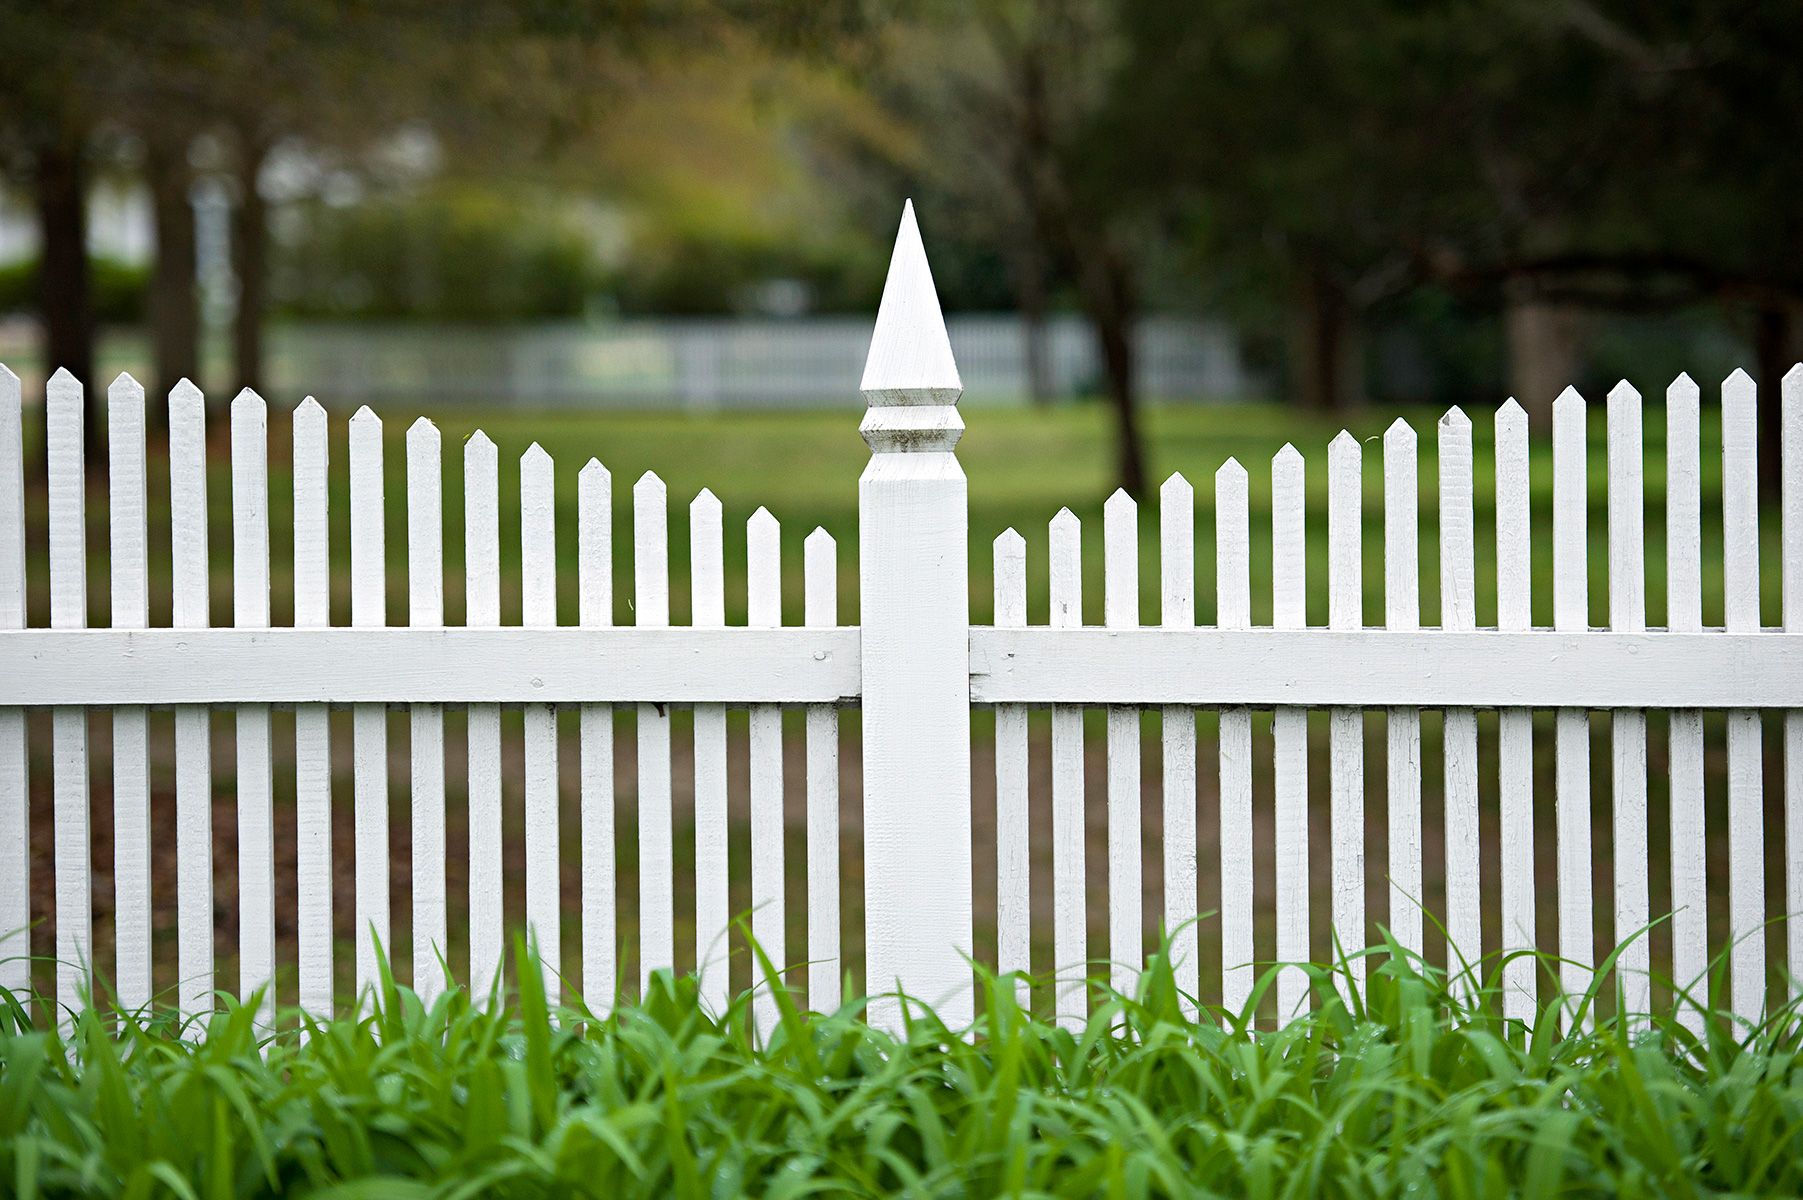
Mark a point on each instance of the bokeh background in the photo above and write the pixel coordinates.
(655, 231)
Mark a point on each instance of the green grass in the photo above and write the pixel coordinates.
(1410, 1088)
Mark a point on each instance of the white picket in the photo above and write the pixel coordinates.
(1740, 579)
(1070, 935)
(1289, 730)
(1627, 612)
(657, 863)
(69, 726)
(821, 610)
(1177, 731)
(1458, 611)
(425, 610)
(369, 722)
(482, 609)
(15, 806)
(312, 722)
(1684, 614)
(1346, 726)
(1013, 850)
(1571, 612)
(1791, 519)
(1233, 610)
(129, 568)
(595, 608)
(193, 739)
(1402, 733)
(763, 594)
(1515, 726)
(707, 589)
(256, 765)
(1120, 610)
(538, 609)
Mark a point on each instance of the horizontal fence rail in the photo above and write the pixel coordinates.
(661, 792)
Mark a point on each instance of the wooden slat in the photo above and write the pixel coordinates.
(1515, 726)
(1402, 726)
(193, 738)
(1346, 726)
(1627, 613)
(1684, 613)
(69, 726)
(1458, 611)
(15, 803)
(1013, 849)
(1233, 608)
(369, 722)
(256, 767)
(491, 666)
(1177, 731)
(707, 587)
(129, 569)
(1070, 935)
(1746, 790)
(538, 609)
(425, 610)
(763, 594)
(482, 610)
(595, 609)
(657, 864)
(1791, 518)
(312, 726)
(1571, 613)
(1120, 610)
(1289, 730)
(825, 967)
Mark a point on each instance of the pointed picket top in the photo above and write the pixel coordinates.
(63, 380)
(1065, 519)
(762, 519)
(124, 388)
(1624, 393)
(704, 502)
(649, 487)
(1511, 410)
(1455, 418)
(1120, 504)
(365, 415)
(1345, 451)
(1010, 542)
(535, 456)
(1344, 442)
(1176, 490)
(185, 397)
(309, 408)
(1793, 378)
(1231, 471)
(1400, 434)
(1569, 398)
(8, 380)
(819, 542)
(422, 432)
(1738, 392)
(910, 359)
(247, 401)
(1288, 456)
(594, 474)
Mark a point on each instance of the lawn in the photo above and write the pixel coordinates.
(1409, 1089)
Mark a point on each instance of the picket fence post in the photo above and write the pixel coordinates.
(914, 608)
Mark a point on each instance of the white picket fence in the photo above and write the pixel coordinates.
(917, 667)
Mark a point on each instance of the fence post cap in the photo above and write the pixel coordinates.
(910, 360)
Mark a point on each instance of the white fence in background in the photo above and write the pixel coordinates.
(702, 364)
(917, 666)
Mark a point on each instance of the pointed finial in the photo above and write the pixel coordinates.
(63, 378)
(1120, 501)
(1232, 469)
(1287, 456)
(123, 382)
(1624, 393)
(1567, 398)
(704, 499)
(1511, 408)
(535, 455)
(1792, 377)
(594, 473)
(1399, 431)
(1344, 443)
(1176, 490)
(1455, 418)
(365, 415)
(819, 542)
(648, 485)
(8, 380)
(247, 399)
(762, 516)
(1010, 541)
(910, 360)
(308, 407)
(421, 428)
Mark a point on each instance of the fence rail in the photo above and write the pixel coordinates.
(915, 666)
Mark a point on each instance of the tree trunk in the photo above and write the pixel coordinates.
(174, 316)
(1107, 295)
(1775, 347)
(1327, 356)
(1545, 343)
(1030, 295)
(64, 297)
(250, 264)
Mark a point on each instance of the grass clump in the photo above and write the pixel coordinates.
(1410, 1087)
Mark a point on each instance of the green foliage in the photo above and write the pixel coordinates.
(448, 255)
(1412, 1086)
(117, 289)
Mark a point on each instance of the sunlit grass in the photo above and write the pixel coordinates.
(1408, 1086)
